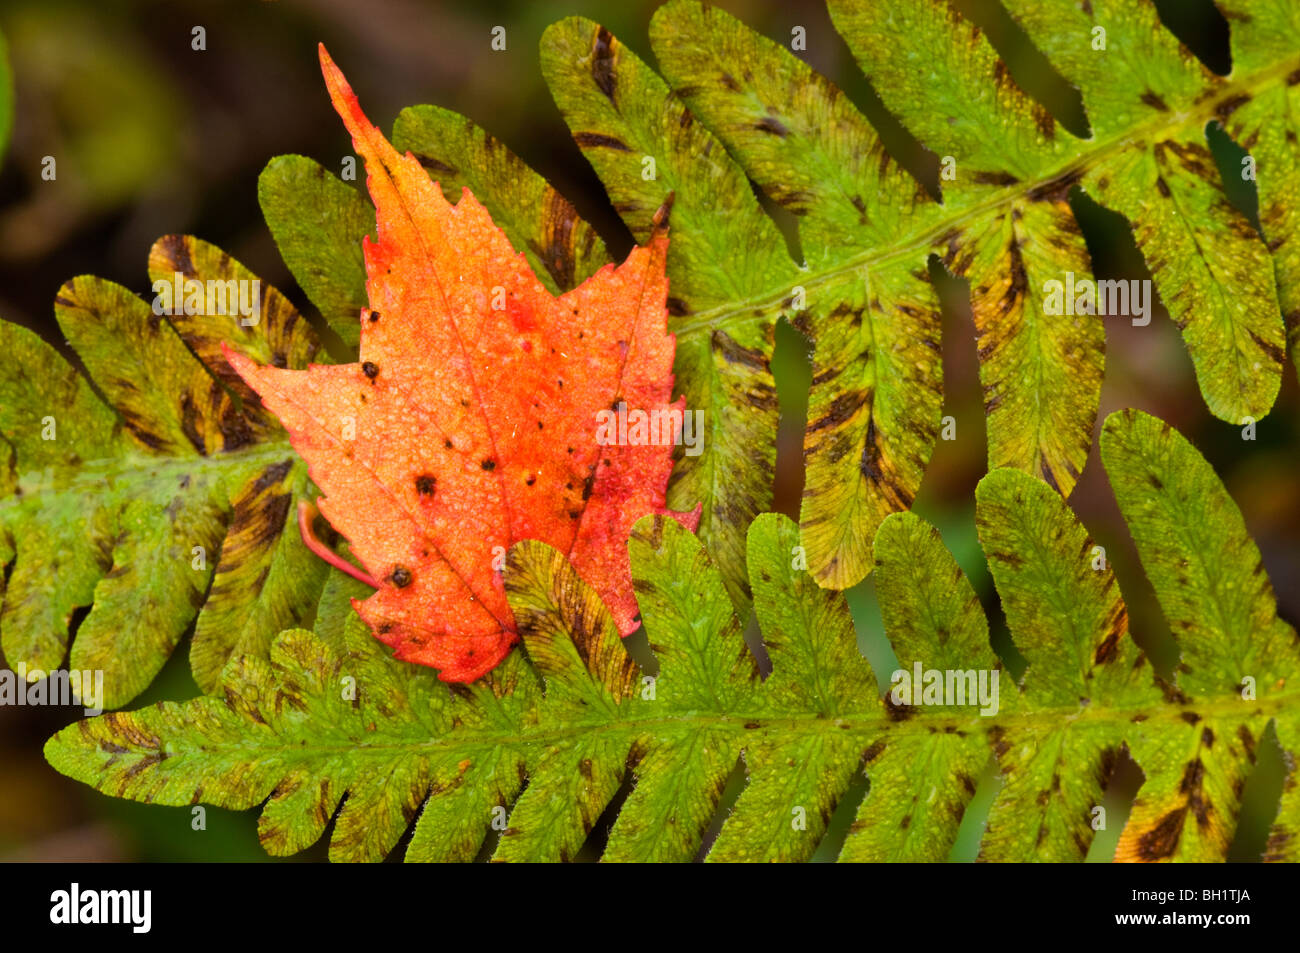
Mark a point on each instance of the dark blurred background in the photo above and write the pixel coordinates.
(153, 137)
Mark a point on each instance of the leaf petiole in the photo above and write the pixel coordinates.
(307, 513)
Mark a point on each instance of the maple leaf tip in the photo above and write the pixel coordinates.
(335, 82)
(238, 361)
(345, 100)
(248, 369)
(327, 66)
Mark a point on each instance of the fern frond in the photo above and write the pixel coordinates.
(1005, 224)
(738, 108)
(550, 739)
(157, 490)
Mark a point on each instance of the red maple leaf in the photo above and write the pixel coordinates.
(470, 421)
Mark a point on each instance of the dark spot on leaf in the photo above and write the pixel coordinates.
(434, 165)
(1155, 102)
(1231, 105)
(1162, 840)
(994, 178)
(602, 63)
(597, 140)
(1058, 189)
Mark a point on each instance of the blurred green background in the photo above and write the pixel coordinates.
(153, 137)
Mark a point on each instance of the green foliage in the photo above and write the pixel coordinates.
(549, 737)
(157, 491)
(737, 108)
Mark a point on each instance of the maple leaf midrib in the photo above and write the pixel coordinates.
(720, 316)
(376, 145)
(469, 371)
